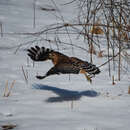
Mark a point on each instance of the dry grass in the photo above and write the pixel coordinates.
(129, 90)
(8, 89)
(97, 30)
(113, 80)
(100, 54)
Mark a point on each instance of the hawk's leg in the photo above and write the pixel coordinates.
(82, 71)
(52, 71)
(88, 78)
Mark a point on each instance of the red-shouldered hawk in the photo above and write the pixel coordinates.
(62, 64)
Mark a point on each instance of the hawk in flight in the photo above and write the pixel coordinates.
(62, 64)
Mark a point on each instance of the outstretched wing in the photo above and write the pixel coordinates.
(39, 54)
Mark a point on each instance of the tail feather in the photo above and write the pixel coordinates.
(91, 69)
(94, 70)
(39, 54)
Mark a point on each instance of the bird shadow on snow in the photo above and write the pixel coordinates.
(64, 94)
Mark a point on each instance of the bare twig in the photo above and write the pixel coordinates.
(25, 75)
(6, 89)
(34, 13)
(113, 80)
(1, 29)
(119, 36)
(69, 2)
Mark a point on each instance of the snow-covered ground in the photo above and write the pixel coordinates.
(58, 102)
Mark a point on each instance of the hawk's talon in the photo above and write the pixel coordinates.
(88, 78)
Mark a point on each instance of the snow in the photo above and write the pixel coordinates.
(57, 102)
